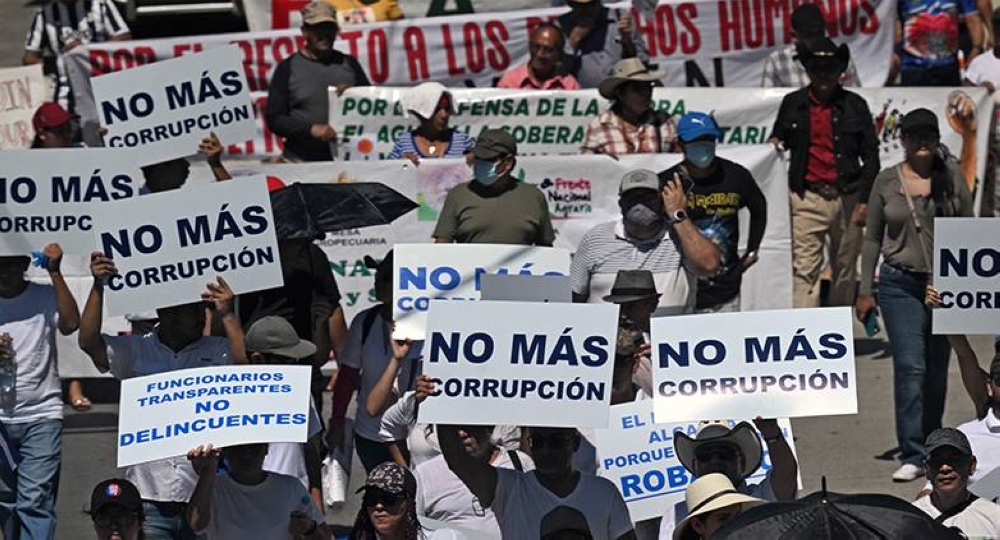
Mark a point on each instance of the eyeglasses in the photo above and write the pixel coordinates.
(553, 442)
(115, 521)
(715, 454)
(390, 501)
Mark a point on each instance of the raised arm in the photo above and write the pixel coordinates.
(784, 468)
(477, 475)
(221, 296)
(700, 253)
(380, 397)
(205, 460)
(974, 378)
(211, 148)
(90, 339)
(69, 312)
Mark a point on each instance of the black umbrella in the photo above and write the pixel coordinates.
(834, 516)
(308, 210)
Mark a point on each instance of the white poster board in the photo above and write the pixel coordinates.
(527, 288)
(22, 91)
(519, 363)
(166, 108)
(966, 268)
(167, 246)
(453, 271)
(166, 415)
(637, 454)
(774, 364)
(51, 196)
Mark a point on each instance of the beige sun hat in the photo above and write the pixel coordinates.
(706, 494)
(423, 99)
(629, 69)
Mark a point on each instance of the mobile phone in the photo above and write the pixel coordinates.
(871, 323)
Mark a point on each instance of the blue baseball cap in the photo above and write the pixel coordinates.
(695, 125)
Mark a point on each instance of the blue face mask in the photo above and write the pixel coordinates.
(701, 154)
(485, 172)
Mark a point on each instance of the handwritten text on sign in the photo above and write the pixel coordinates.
(493, 364)
(168, 107)
(166, 246)
(22, 91)
(775, 364)
(52, 195)
(168, 414)
(638, 455)
(967, 263)
(453, 272)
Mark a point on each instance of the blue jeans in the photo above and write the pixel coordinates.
(919, 359)
(165, 521)
(28, 510)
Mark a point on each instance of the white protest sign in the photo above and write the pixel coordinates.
(22, 91)
(168, 107)
(51, 196)
(453, 272)
(166, 415)
(527, 288)
(519, 363)
(637, 454)
(774, 364)
(167, 246)
(966, 266)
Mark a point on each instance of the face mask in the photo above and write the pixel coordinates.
(643, 217)
(485, 172)
(700, 154)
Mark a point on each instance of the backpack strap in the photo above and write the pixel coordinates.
(515, 460)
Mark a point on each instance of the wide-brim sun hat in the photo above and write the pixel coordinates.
(743, 436)
(707, 494)
(627, 70)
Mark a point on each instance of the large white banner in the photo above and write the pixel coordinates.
(966, 266)
(520, 363)
(425, 272)
(166, 246)
(166, 415)
(582, 192)
(52, 195)
(167, 108)
(22, 91)
(637, 454)
(784, 364)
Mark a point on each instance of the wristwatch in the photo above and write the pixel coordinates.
(679, 216)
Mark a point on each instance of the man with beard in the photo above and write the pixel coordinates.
(297, 101)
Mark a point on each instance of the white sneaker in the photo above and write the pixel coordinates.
(908, 472)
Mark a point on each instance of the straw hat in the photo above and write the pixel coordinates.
(709, 493)
(627, 70)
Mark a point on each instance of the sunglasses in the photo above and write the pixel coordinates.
(390, 501)
(554, 442)
(715, 454)
(955, 462)
(923, 139)
(115, 521)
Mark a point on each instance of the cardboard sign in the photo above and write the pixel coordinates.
(52, 196)
(774, 364)
(22, 91)
(167, 246)
(453, 272)
(166, 415)
(168, 107)
(519, 363)
(966, 267)
(637, 454)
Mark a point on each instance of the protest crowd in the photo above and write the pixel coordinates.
(510, 369)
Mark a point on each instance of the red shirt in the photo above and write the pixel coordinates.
(822, 165)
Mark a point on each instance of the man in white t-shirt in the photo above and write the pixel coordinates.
(442, 496)
(654, 234)
(521, 500)
(273, 341)
(949, 465)
(735, 452)
(30, 394)
(176, 343)
(248, 502)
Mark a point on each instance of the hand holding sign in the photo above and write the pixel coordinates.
(53, 254)
(101, 267)
(425, 387)
(220, 295)
(204, 459)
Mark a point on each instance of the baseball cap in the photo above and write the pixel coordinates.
(639, 179)
(390, 477)
(808, 18)
(318, 13)
(274, 335)
(948, 437)
(920, 120)
(115, 492)
(50, 115)
(494, 143)
(695, 125)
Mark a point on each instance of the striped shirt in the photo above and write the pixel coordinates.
(60, 23)
(608, 134)
(606, 249)
(461, 144)
(782, 69)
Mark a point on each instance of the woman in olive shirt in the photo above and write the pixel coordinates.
(904, 202)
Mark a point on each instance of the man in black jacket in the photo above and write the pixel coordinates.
(833, 163)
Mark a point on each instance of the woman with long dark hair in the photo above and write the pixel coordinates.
(388, 508)
(904, 202)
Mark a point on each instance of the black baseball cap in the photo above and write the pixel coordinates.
(952, 437)
(115, 491)
(495, 143)
(808, 18)
(920, 121)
